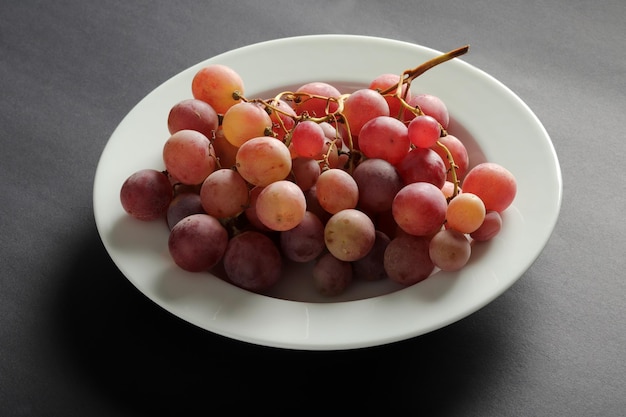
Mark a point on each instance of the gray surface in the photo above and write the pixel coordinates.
(77, 339)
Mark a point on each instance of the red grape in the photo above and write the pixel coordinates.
(407, 260)
(146, 194)
(197, 242)
(494, 184)
(252, 261)
(384, 137)
(419, 208)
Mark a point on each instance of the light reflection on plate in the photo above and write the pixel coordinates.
(493, 122)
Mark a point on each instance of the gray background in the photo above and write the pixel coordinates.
(77, 339)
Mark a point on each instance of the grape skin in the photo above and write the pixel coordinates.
(308, 139)
(331, 275)
(378, 183)
(349, 235)
(216, 84)
(305, 242)
(245, 121)
(466, 212)
(263, 160)
(384, 137)
(305, 172)
(188, 156)
(146, 194)
(432, 106)
(419, 208)
(225, 152)
(337, 190)
(494, 184)
(424, 131)
(316, 107)
(197, 242)
(384, 81)
(371, 267)
(250, 211)
(193, 114)
(449, 250)
(281, 205)
(422, 165)
(362, 106)
(313, 204)
(489, 228)
(252, 261)
(183, 205)
(224, 193)
(407, 260)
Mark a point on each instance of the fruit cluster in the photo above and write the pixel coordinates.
(365, 185)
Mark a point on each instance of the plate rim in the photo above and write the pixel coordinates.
(306, 343)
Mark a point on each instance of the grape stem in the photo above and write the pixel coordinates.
(409, 75)
(453, 168)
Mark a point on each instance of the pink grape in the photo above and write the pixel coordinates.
(263, 160)
(314, 106)
(331, 276)
(216, 84)
(424, 131)
(281, 205)
(362, 106)
(252, 261)
(337, 190)
(459, 155)
(466, 212)
(305, 171)
(146, 194)
(244, 121)
(419, 208)
(407, 260)
(384, 81)
(371, 267)
(197, 242)
(305, 242)
(422, 165)
(183, 205)
(449, 250)
(308, 139)
(386, 138)
(349, 234)
(188, 156)
(489, 228)
(495, 185)
(193, 114)
(224, 193)
(430, 105)
(378, 183)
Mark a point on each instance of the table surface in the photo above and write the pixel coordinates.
(78, 339)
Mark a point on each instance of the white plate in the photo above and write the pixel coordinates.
(495, 124)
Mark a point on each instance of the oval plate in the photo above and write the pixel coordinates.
(495, 124)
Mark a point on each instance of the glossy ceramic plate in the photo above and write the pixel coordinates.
(494, 123)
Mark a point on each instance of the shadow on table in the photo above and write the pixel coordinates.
(143, 359)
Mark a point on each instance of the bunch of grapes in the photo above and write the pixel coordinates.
(366, 185)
